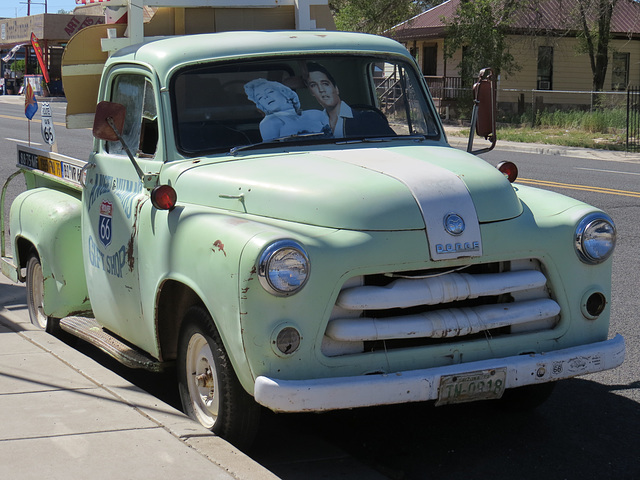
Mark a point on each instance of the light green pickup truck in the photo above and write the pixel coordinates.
(279, 214)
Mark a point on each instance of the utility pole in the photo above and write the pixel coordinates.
(29, 6)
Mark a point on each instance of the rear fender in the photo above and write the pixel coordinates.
(48, 221)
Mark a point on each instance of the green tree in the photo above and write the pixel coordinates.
(17, 66)
(479, 28)
(594, 19)
(375, 16)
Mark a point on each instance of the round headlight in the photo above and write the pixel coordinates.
(283, 268)
(595, 238)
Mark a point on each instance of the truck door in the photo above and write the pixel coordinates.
(113, 201)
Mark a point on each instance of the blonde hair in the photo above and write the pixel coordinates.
(290, 95)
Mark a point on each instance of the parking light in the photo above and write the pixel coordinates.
(164, 197)
(509, 170)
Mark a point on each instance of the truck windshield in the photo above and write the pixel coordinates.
(321, 98)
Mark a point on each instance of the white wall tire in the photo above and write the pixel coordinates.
(35, 299)
(35, 293)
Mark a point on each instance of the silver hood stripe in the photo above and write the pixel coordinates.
(437, 192)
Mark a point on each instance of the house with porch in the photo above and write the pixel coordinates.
(553, 72)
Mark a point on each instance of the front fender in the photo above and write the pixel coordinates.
(200, 248)
(49, 220)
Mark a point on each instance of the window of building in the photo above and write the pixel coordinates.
(545, 68)
(430, 60)
(620, 71)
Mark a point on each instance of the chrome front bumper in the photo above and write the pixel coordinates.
(322, 394)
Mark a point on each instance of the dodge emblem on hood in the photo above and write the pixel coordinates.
(453, 224)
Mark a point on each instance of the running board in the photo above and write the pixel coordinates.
(90, 331)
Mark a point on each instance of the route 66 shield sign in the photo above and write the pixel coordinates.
(104, 223)
(46, 127)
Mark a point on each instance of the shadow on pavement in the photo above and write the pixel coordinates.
(13, 299)
(12, 293)
(584, 431)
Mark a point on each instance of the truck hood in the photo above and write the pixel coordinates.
(393, 188)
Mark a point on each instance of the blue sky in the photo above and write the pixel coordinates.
(18, 8)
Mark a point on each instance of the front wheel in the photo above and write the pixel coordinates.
(209, 389)
(35, 296)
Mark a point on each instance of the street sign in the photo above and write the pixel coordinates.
(48, 133)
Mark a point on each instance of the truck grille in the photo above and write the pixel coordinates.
(402, 310)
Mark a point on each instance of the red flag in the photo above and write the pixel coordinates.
(36, 47)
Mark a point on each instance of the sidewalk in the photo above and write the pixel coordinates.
(539, 148)
(64, 416)
(19, 99)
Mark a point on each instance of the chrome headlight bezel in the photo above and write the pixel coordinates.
(595, 238)
(280, 281)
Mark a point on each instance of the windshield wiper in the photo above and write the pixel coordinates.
(387, 138)
(286, 138)
(339, 141)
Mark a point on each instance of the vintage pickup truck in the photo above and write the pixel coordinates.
(280, 216)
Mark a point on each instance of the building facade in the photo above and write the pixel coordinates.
(53, 31)
(553, 71)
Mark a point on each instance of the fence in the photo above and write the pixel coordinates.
(446, 88)
(552, 100)
(633, 119)
(618, 112)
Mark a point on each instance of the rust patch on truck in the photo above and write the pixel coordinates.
(131, 260)
(218, 246)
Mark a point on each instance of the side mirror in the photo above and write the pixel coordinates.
(102, 129)
(483, 118)
(108, 124)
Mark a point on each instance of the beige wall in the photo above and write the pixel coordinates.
(177, 21)
(571, 70)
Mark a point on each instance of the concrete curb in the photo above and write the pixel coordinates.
(542, 149)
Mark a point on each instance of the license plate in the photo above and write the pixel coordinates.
(71, 172)
(472, 386)
(50, 165)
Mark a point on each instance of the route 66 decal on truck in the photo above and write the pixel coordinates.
(105, 223)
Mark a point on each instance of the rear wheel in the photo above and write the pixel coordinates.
(209, 389)
(35, 296)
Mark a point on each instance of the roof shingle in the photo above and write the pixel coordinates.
(541, 15)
